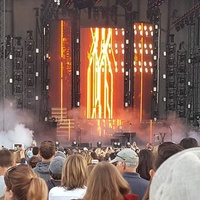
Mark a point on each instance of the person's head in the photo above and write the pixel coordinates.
(74, 173)
(6, 158)
(126, 160)
(55, 167)
(106, 182)
(166, 150)
(35, 151)
(33, 161)
(61, 149)
(178, 177)
(22, 183)
(60, 153)
(189, 142)
(47, 150)
(146, 159)
(162, 153)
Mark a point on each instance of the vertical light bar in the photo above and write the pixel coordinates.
(151, 132)
(61, 67)
(69, 129)
(99, 127)
(142, 71)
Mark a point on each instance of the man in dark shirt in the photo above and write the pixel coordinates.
(127, 161)
(47, 153)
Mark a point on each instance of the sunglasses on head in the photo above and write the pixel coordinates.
(8, 175)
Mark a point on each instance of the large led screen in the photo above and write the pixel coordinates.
(102, 72)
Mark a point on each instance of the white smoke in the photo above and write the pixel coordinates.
(19, 135)
(14, 125)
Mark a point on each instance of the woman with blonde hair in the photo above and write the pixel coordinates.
(22, 183)
(106, 182)
(74, 175)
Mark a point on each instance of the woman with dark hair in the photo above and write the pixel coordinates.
(164, 151)
(106, 182)
(22, 183)
(146, 159)
(189, 142)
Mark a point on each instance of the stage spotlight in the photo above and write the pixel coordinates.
(99, 144)
(74, 144)
(128, 145)
(57, 144)
(117, 145)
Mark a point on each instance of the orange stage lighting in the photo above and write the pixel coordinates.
(143, 51)
(102, 66)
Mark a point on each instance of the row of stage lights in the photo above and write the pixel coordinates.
(135, 63)
(146, 70)
(141, 51)
(99, 144)
(145, 46)
(141, 32)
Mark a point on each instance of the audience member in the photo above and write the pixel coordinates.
(178, 177)
(106, 182)
(55, 169)
(189, 142)
(29, 153)
(127, 161)
(146, 159)
(164, 151)
(47, 152)
(61, 148)
(23, 184)
(20, 155)
(6, 161)
(33, 161)
(34, 158)
(74, 175)
(35, 151)
(60, 153)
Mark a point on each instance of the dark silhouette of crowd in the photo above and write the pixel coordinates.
(164, 172)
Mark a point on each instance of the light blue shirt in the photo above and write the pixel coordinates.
(2, 186)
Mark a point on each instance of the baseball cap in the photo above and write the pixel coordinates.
(178, 177)
(56, 165)
(126, 155)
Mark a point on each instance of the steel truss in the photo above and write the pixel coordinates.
(3, 59)
(128, 60)
(171, 76)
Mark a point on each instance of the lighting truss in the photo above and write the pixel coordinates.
(188, 17)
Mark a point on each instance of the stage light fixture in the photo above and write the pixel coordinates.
(99, 144)
(117, 145)
(128, 145)
(57, 144)
(74, 143)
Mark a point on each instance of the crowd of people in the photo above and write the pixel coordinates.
(164, 172)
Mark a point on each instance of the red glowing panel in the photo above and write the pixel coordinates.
(60, 70)
(102, 67)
